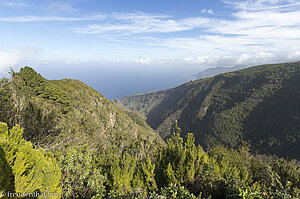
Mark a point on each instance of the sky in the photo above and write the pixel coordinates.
(122, 47)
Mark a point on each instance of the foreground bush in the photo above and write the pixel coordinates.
(180, 170)
(25, 170)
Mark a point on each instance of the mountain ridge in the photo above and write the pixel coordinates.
(228, 108)
(56, 114)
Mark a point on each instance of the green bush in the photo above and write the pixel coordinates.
(25, 169)
(82, 177)
(176, 191)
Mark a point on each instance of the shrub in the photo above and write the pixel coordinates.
(25, 169)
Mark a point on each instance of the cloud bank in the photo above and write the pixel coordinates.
(8, 59)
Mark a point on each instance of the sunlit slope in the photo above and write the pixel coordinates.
(60, 113)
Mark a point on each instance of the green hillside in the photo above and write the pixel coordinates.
(56, 114)
(260, 105)
(92, 149)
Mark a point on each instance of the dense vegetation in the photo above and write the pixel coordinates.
(179, 170)
(92, 149)
(259, 105)
(25, 170)
(61, 113)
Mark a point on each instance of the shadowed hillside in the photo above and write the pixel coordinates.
(260, 105)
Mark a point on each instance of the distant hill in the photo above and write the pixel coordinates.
(56, 114)
(217, 70)
(259, 105)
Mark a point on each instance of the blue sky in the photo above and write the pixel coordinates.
(145, 38)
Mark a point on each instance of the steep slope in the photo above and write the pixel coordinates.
(260, 105)
(61, 113)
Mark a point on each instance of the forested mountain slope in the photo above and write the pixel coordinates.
(101, 151)
(56, 114)
(260, 105)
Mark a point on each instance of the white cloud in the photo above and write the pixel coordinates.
(30, 18)
(259, 5)
(295, 56)
(57, 6)
(73, 62)
(44, 61)
(145, 60)
(12, 3)
(243, 59)
(138, 22)
(137, 16)
(251, 37)
(257, 30)
(269, 35)
(248, 31)
(8, 59)
(209, 11)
